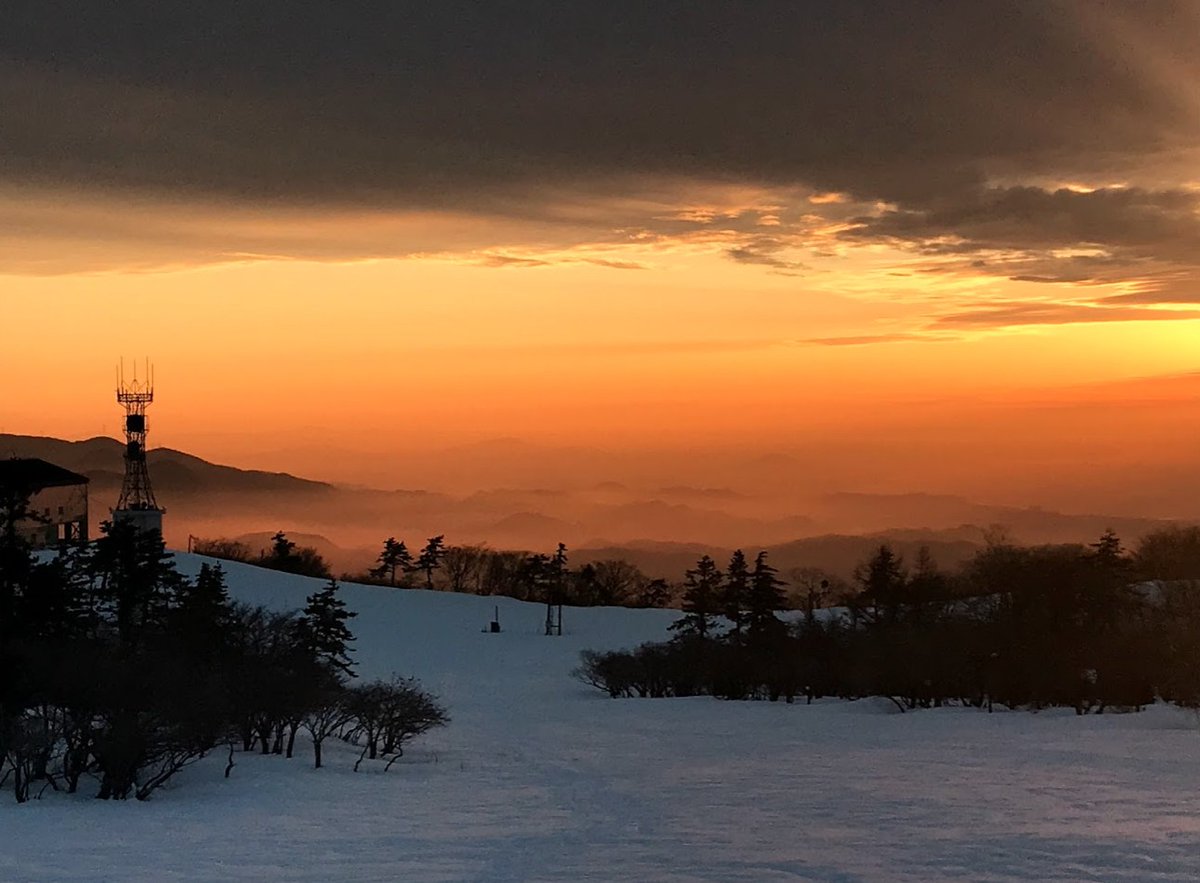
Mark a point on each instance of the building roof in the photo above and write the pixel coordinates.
(31, 474)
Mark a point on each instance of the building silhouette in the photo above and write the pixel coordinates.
(58, 501)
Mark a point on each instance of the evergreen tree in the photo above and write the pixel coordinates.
(134, 579)
(883, 583)
(1107, 550)
(395, 558)
(209, 595)
(57, 604)
(559, 572)
(290, 558)
(431, 558)
(655, 593)
(16, 556)
(764, 598)
(701, 600)
(1109, 561)
(534, 577)
(324, 629)
(281, 547)
(735, 597)
(204, 615)
(1106, 595)
(926, 586)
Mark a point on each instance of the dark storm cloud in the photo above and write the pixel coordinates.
(474, 105)
(999, 219)
(944, 129)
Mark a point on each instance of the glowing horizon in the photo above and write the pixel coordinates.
(978, 272)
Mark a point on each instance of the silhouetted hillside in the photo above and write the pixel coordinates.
(174, 472)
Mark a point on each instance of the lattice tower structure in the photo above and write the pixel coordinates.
(136, 492)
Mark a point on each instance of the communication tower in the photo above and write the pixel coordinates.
(136, 505)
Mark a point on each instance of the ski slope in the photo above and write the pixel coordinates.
(538, 778)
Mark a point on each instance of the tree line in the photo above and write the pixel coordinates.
(469, 569)
(283, 555)
(117, 672)
(526, 576)
(1092, 627)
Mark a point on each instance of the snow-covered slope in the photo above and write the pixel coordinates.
(540, 778)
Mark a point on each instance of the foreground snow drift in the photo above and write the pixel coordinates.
(540, 778)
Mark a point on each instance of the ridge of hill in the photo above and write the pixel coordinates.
(102, 460)
(662, 529)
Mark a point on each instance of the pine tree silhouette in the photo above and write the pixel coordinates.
(324, 628)
(701, 600)
(764, 598)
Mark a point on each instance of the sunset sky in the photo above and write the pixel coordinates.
(943, 246)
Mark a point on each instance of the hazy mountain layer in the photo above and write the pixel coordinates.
(662, 529)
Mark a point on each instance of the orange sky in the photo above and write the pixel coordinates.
(953, 248)
(272, 362)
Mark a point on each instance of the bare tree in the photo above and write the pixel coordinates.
(386, 715)
(463, 568)
(616, 581)
(812, 588)
(328, 714)
(33, 738)
(503, 573)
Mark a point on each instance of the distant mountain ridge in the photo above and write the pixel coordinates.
(836, 554)
(663, 528)
(102, 460)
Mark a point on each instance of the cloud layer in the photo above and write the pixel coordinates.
(1051, 144)
(451, 103)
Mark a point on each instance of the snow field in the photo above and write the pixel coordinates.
(539, 778)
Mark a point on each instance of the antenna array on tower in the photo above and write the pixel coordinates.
(136, 503)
